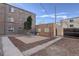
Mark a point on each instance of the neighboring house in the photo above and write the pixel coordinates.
(49, 30)
(12, 19)
(70, 26)
(70, 23)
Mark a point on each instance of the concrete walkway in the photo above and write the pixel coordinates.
(1, 48)
(9, 49)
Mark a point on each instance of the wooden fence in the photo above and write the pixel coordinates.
(71, 32)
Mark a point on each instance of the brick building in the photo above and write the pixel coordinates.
(12, 19)
(49, 30)
(45, 30)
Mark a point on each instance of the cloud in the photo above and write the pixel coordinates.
(46, 15)
(62, 13)
(59, 15)
(62, 16)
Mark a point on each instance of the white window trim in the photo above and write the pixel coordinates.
(12, 9)
(11, 19)
(11, 28)
(39, 30)
(46, 30)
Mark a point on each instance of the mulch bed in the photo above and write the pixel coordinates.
(23, 46)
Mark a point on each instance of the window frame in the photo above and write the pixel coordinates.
(46, 29)
(11, 29)
(71, 25)
(39, 30)
(71, 20)
(11, 19)
(11, 9)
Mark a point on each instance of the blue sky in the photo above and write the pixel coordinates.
(45, 11)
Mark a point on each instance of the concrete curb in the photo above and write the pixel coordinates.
(8, 48)
(40, 47)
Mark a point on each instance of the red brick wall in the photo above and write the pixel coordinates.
(46, 34)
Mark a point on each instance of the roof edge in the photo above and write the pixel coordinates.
(19, 8)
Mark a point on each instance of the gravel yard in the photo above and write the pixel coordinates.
(64, 47)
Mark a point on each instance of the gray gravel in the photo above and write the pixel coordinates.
(65, 47)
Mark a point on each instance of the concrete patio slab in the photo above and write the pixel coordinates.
(9, 49)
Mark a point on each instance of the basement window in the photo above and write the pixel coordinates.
(19, 28)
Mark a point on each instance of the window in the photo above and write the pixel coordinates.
(71, 25)
(11, 29)
(71, 20)
(11, 9)
(46, 30)
(11, 20)
(39, 30)
(19, 28)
